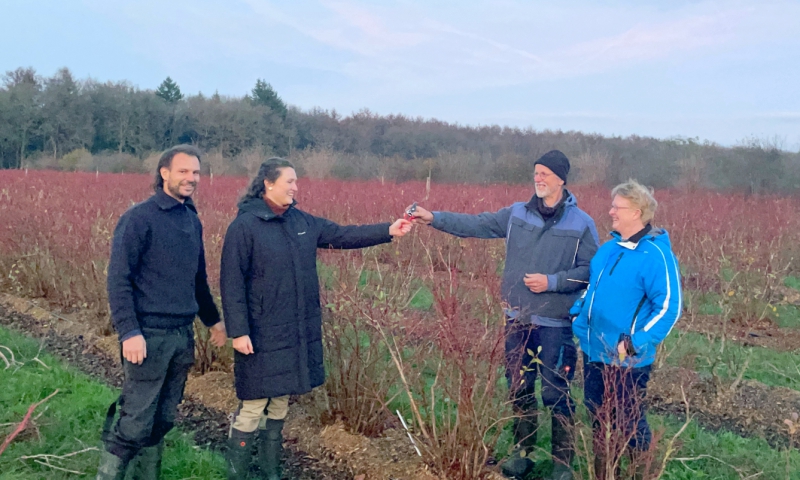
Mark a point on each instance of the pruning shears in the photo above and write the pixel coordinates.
(410, 212)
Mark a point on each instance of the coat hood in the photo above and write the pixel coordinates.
(259, 208)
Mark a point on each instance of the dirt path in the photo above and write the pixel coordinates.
(209, 425)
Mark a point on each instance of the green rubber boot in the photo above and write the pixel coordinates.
(240, 454)
(270, 449)
(146, 465)
(520, 464)
(111, 467)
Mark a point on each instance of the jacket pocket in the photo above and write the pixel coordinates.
(520, 235)
(567, 244)
(255, 305)
(155, 364)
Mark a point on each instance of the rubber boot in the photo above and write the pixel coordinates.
(111, 467)
(146, 465)
(520, 464)
(240, 454)
(270, 449)
(562, 448)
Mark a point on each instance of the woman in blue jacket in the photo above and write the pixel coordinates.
(631, 305)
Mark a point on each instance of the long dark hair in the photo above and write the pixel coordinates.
(166, 161)
(269, 170)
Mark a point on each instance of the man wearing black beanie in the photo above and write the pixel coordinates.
(549, 244)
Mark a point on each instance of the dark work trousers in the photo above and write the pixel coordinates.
(617, 395)
(152, 391)
(555, 350)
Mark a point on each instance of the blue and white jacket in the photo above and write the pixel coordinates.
(634, 288)
(560, 248)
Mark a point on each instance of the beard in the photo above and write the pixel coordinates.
(543, 192)
(175, 190)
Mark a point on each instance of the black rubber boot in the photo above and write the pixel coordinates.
(146, 465)
(562, 448)
(240, 454)
(520, 464)
(111, 467)
(270, 449)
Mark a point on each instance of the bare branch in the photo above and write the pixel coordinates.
(24, 422)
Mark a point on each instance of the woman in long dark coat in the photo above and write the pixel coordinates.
(270, 297)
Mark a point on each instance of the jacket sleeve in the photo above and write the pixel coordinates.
(580, 325)
(333, 235)
(662, 283)
(129, 242)
(483, 225)
(234, 272)
(208, 312)
(577, 277)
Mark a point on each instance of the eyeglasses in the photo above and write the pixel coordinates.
(614, 208)
(542, 175)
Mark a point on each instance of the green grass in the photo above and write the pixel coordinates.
(423, 297)
(71, 420)
(703, 303)
(792, 282)
(787, 316)
(693, 350)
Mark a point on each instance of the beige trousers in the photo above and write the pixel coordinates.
(254, 413)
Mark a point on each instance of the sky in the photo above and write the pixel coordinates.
(723, 71)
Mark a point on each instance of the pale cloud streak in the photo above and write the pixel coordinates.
(725, 66)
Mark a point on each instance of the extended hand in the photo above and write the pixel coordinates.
(536, 282)
(218, 335)
(134, 349)
(422, 216)
(243, 345)
(400, 227)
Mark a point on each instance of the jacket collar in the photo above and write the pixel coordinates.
(165, 202)
(259, 208)
(567, 200)
(637, 237)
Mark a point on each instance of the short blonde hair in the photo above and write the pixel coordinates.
(640, 196)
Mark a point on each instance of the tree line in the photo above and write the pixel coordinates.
(65, 123)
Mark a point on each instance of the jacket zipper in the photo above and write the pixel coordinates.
(591, 303)
(611, 272)
(589, 315)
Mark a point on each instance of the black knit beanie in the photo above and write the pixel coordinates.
(557, 162)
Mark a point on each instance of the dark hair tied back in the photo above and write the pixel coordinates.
(269, 170)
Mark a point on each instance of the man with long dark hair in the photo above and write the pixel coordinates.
(156, 286)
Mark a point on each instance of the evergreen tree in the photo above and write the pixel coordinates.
(264, 94)
(169, 91)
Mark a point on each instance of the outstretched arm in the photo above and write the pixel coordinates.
(483, 225)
